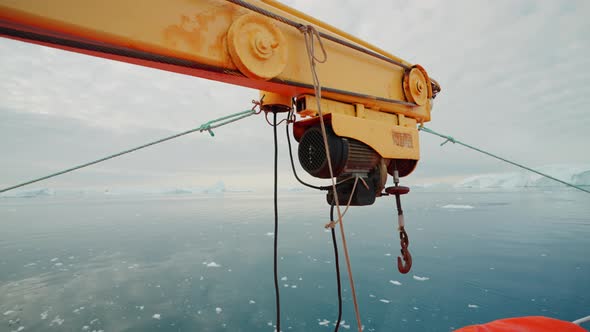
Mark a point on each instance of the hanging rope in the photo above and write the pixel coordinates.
(337, 263)
(207, 126)
(310, 34)
(276, 233)
(453, 140)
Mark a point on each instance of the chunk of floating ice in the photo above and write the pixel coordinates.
(421, 278)
(54, 259)
(270, 234)
(57, 320)
(218, 310)
(415, 308)
(384, 300)
(20, 328)
(44, 314)
(395, 282)
(252, 302)
(157, 316)
(293, 286)
(371, 295)
(284, 278)
(9, 312)
(456, 206)
(324, 322)
(213, 264)
(474, 306)
(85, 328)
(58, 264)
(387, 254)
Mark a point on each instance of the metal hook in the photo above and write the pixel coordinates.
(407, 261)
(405, 266)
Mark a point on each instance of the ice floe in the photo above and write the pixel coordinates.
(473, 306)
(395, 282)
(54, 259)
(343, 324)
(218, 310)
(44, 314)
(284, 278)
(157, 316)
(384, 300)
(324, 322)
(457, 206)
(212, 264)
(9, 312)
(57, 320)
(252, 302)
(420, 278)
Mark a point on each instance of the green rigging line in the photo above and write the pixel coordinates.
(207, 126)
(453, 140)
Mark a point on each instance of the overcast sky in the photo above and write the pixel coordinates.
(514, 77)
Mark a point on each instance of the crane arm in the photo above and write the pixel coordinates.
(217, 40)
(369, 96)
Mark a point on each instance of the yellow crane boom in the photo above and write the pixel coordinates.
(368, 96)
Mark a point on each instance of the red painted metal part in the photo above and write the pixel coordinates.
(525, 324)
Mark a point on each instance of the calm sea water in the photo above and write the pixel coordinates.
(204, 262)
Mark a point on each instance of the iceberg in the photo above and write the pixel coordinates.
(575, 174)
(217, 188)
(30, 193)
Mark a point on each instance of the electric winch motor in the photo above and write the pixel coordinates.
(350, 159)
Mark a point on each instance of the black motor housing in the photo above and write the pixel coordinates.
(350, 159)
(347, 155)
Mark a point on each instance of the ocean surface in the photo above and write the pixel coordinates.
(203, 262)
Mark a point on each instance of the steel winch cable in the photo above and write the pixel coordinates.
(332, 38)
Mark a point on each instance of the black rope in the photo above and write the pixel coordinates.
(276, 234)
(337, 270)
(293, 163)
